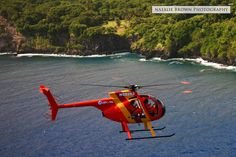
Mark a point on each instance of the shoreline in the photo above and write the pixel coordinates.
(63, 55)
(198, 60)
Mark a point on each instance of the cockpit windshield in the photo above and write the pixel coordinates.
(149, 102)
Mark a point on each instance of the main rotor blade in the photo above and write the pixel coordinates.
(99, 85)
(187, 91)
(166, 84)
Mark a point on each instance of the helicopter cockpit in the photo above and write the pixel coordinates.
(152, 105)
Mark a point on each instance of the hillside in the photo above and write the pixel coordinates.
(90, 26)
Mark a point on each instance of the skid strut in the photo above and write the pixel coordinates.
(148, 127)
(139, 130)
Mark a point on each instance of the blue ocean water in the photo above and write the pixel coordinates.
(204, 121)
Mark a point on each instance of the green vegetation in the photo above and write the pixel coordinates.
(67, 24)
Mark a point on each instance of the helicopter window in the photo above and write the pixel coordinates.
(134, 103)
(149, 102)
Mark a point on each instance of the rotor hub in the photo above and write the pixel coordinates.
(133, 87)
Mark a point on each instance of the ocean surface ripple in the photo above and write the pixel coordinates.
(204, 121)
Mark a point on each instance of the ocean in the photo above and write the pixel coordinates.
(203, 121)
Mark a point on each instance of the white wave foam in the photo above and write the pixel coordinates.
(143, 60)
(7, 53)
(157, 59)
(206, 63)
(212, 64)
(194, 61)
(153, 59)
(175, 62)
(69, 56)
(1, 54)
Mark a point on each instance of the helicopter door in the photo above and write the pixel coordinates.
(136, 112)
(151, 106)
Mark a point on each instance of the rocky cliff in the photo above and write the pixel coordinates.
(10, 39)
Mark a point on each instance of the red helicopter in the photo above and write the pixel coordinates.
(123, 106)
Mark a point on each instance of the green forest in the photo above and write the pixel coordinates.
(66, 25)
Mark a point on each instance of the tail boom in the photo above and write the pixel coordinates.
(54, 106)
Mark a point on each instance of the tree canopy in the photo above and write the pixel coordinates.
(60, 21)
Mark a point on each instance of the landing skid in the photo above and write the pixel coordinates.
(141, 138)
(147, 127)
(139, 130)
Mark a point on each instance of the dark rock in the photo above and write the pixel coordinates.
(105, 44)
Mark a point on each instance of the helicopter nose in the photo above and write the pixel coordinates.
(163, 110)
